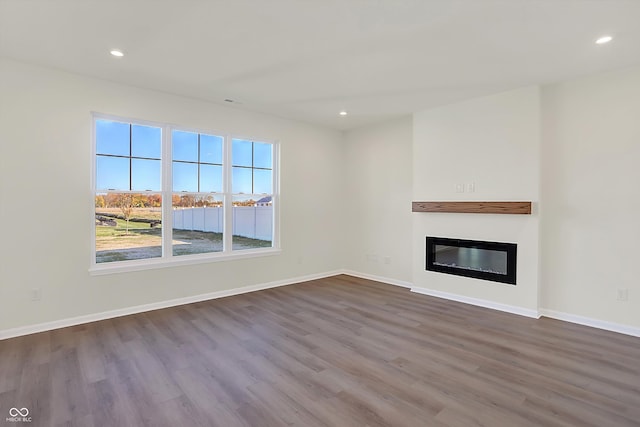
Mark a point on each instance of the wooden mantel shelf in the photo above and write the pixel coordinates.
(523, 208)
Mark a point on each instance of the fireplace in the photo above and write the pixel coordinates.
(493, 261)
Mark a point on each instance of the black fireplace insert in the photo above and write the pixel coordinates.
(493, 261)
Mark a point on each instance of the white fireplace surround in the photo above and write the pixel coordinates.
(497, 150)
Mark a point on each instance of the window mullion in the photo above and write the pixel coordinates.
(131, 157)
(228, 198)
(275, 192)
(253, 188)
(167, 193)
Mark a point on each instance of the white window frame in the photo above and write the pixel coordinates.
(168, 259)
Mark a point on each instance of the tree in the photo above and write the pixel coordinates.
(100, 203)
(187, 201)
(154, 200)
(111, 200)
(140, 200)
(126, 203)
(204, 201)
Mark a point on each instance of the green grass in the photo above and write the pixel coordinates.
(136, 229)
(142, 213)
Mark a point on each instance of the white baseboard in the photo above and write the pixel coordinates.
(454, 297)
(63, 323)
(594, 323)
(375, 278)
(479, 302)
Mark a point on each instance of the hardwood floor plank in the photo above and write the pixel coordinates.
(180, 411)
(340, 351)
(86, 421)
(150, 371)
(109, 408)
(208, 400)
(35, 392)
(92, 362)
(68, 392)
(286, 407)
(13, 362)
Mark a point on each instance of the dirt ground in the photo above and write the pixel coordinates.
(123, 249)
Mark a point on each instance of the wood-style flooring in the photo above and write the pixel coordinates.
(340, 351)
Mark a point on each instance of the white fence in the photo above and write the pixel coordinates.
(255, 222)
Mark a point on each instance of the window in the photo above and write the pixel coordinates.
(128, 202)
(168, 195)
(252, 184)
(197, 200)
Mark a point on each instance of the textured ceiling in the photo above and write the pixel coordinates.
(309, 59)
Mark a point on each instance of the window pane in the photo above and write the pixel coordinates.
(197, 224)
(112, 173)
(262, 181)
(241, 153)
(241, 180)
(185, 176)
(146, 141)
(262, 155)
(211, 149)
(185, 145)
(210, 179)
(252, 223)
(128, 226)
(145, 175)
(112, 138)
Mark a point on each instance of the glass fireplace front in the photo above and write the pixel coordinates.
(493, 261)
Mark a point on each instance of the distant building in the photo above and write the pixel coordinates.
(265, 201)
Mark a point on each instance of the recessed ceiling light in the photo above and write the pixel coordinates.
(343, 113)
(116, 52)
(604, 39)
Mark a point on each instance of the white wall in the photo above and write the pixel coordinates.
(586, 232)
(45, 134)
(493, 143)
(591, 196)
(378, 200)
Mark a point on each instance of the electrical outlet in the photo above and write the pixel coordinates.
(471, 187)
(623, 294)
(386, 260)
(372, 258)
(459, 188)
(36, 294)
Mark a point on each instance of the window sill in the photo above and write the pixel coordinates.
(152, 264)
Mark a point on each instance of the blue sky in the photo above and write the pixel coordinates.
(112, 138)
(241, 176)
(185, 175)
(113, 172)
